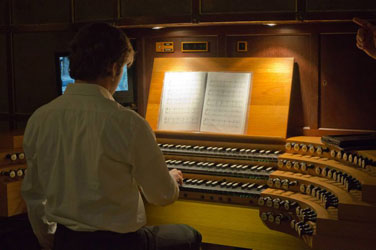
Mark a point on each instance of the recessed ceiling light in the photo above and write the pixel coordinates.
(271, 24)
(157, 28)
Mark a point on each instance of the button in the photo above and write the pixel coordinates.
(277, 183)
(330, 173)
(292, 224)
(355, 160)
(269, 202)
(21, 156)
(333, 153)
(360, 159)
(324, 172)
(264, 216)
(318, 170)
(344, 156)
(339, 155)
(319, 150)
(280, 163)
(20, 172)
(296, 147)
(302, 188)
(277, 219)
(270, 182)
(11, 157)
(261, 201)
(271, 218)
(288, 146)
(304, 148)
(311, 149)
(309, 189)
(276, 203)
(286, 204)
(288, 164)
(296, 165)
(350, 158)
(285, 184)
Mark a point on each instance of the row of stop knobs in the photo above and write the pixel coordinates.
(351, 158)
(14, 173)
(306, 214)
(300, 226)
(15, 156)
(278, 183)
(327, 198)
(331, 173)
(305, 148)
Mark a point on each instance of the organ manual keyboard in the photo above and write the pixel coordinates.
(238, 187)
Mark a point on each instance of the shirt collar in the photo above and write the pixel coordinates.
(88, 89)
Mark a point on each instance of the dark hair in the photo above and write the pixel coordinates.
(95, 48)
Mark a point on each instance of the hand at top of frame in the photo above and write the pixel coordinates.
(366, 37)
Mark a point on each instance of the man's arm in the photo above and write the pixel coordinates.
(366, 37)
(159, 185)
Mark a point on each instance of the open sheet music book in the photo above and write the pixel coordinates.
(205, 101)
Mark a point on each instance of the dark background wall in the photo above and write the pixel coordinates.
(336, 81)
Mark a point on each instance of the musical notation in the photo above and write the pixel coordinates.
(226, 102)
(182, 100)
(201, 101)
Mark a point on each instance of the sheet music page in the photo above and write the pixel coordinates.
(182, 101)
(226, 102)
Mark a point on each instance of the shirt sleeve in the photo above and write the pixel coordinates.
(149, 167)
(32, 193)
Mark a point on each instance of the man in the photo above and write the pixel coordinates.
(88, 159)
(366, 37)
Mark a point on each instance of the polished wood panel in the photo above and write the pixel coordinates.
(40, 11)
(269, 96)
(347, 84)
(11, 202)
(4, 102)
(228, 225)
(299, 47)
(35, 66)
(11, 139)
(151, 53)
(89, 10)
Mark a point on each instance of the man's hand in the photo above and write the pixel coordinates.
(366, 37)
(177, 175)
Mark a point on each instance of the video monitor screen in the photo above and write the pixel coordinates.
(66, 79)
(124, 93)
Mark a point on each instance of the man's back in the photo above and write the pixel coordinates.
(90, 161)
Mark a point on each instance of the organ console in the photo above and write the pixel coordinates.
(298, 186)
(258, 190)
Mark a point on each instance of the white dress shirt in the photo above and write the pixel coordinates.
(87, 158)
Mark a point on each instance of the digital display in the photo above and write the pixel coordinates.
(66, 79)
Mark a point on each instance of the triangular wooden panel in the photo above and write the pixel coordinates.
(270, 93)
